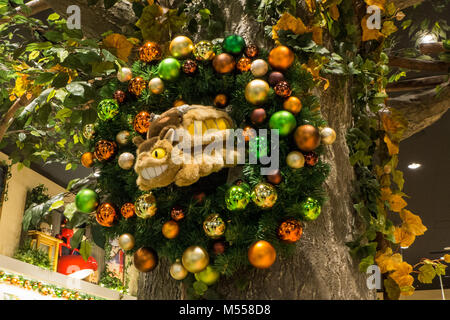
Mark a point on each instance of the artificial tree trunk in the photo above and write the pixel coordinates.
(322, 267)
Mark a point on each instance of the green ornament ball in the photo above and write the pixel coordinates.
(237, 198)
(169, 69)
(107, 109)
(310, 209)
(234, 44)
(284, 121)
(209, 276)
(86, 200)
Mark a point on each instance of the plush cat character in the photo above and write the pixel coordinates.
(167, 156)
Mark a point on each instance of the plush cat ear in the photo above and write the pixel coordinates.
(170, 135)
(138, 141)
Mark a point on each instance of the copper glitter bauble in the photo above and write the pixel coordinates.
(293, 105)
(283, 89)
(281, 57)
(218, 247)
(328, 136)
(290, 231)
(295, 160)
(87, 159)
(145, 259)
(244, 64)
(274, 177)
(123, 137)
(149, 52)
(106, 214)
(311, 158)
(221, 100)
(195, 259)
(262, 254)
(258, 116)
(177, 213)
(190, 67)
(181, 46)
(251, 51)
(128, 210)
(126, 241)
(178, 103)
(257, 91)
(119, 96)
(224, 63)
(156, 86)
(307, 137)
(170, 229)
(275, 77)
(105, 150)
(137, 86)
(142, 122)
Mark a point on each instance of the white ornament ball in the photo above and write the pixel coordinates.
(259, 67)
(124, 74)
(126, 160)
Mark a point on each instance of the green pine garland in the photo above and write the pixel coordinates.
(243, 227)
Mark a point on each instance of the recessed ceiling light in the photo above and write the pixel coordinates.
(414, 166)
(427, 38)
(404, 247)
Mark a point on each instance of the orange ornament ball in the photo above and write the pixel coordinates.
(170, 229)
(106, 214)
(150, 51)
(244, 64)
(262, 254)
(128, 210)
(87, 159)
(281, 58)
(307, 137)
(290, 230)
(142, 122)
(223, 63)
(178, 103)
(137, 86)
(221, 100)
(145, 259)
(293, 105)
(105, 150)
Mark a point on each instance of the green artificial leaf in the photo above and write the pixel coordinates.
(392, 289)
(440, 269)
(70, 210)
(98, 236)
(77, 220)
(200, 287)
(85, 249)
(33, 215)
(427, 273)
(365, 263)
(77, 237)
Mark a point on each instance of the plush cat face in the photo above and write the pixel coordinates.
(154, 164)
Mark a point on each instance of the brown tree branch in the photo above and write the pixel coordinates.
(416, 64)
(403, 4)
(36, 7)
(422, 109)
(430, 48)
(416, 84)
(8, 118)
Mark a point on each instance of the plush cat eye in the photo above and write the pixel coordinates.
(158, 153)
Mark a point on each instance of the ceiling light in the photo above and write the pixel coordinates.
(427, 38)
(404, 247)
(414, 166)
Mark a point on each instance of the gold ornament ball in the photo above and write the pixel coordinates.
(195, 259)
(156, 86)
(126, 160)
(204, 50)
(123, 137)
(293, 105)
(177, 271)
(145, 259)
(259, 68)
(145, 206)
(262, 254)
(124, 74)
(264, 195)
(221, 100)
(89, 131)
(214, 226)
(181, 47)
(328, 136)
(281, 58)
(170, 229)
(224, 63)
(307, 137)
(295, 160)
(87, 159)
(126, 241)
(256, 91)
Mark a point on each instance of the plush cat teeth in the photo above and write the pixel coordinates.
(153, 172)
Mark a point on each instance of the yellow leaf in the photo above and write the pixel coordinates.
(400, 16)
(407, 291)
(403, 237)
(385, 193)
(311, 5)
(317, 35)
(394, 123)
(412, 223)
(393, 148)
(396, 202)
(387, 261)
(447, 258)
(334, 12)
(370, 34)
(290, 23)
(379, 3)
(388, 28)
(121, 45)
(402, 276)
